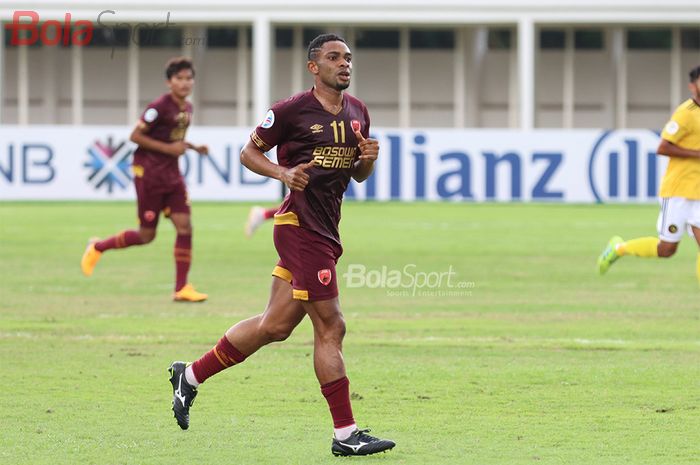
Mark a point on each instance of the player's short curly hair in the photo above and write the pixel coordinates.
(177, 64)
(316, 44)
(694, 74)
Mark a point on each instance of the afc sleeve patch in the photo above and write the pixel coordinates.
(672, 127)
(269, 120)
(150, 115)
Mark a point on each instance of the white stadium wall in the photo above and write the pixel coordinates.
(92, 163)
(616, 85)
(376, 74)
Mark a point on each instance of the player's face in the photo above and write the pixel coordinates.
(181, 83)
(333, 66)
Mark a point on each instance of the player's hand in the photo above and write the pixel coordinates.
(201, 149)
(177, 148)
(369, 148)
(296, 178)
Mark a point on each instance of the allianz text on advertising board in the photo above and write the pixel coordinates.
(499, 165)
(54, 163)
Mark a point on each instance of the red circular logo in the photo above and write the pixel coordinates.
(325, 276)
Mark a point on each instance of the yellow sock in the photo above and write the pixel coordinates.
(642, 247)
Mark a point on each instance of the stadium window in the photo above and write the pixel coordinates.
(589, 39)
(284, 37)
(552, 39)
(222, 37)
(110, 37)
(310, 33)
(649, 39)
(690, 39)
(432, 39)
(23, 34)
(377, 38)
(500, 39)
(160, 37)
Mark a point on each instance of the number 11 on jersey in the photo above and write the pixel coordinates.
(335, 127)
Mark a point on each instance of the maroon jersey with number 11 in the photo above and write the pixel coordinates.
(303, 131)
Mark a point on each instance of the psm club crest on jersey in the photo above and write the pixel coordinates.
(324, 276)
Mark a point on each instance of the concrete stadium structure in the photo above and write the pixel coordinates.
(447, 63)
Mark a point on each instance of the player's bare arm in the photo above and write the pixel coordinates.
(672, 150)
(255, 160)
(175, 149)
(369, 151)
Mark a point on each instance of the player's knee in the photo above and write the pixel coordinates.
(340, 327)
(667, 250)
(275, 332)
(147, 235)
(334, 329)
(184, 230)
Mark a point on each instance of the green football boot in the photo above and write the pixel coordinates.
(609, 255)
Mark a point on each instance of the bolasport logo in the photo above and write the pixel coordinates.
(28, 28)
(25, 30)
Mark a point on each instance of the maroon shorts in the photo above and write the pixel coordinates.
(307, 261)
(153, 197)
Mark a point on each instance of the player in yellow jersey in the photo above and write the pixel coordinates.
(680, 187)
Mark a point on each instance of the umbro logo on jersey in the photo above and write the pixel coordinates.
(316, 128)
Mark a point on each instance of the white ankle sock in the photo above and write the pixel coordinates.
(189, 376)
(341, 434)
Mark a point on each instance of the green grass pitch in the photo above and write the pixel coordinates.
(540, 362)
